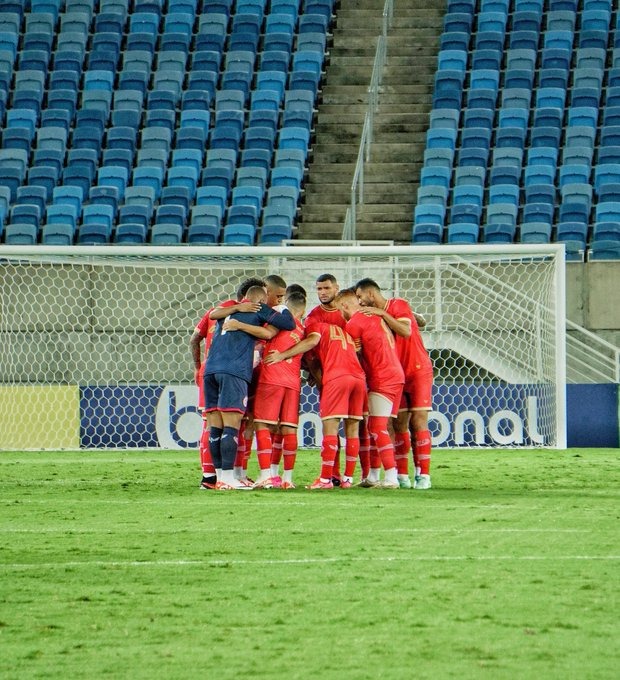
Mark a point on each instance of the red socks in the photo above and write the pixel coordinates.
(402, 446)
(352, 452)
(289, 450)
(263, 449)
(329, 449)
(422, 451)
(378, 428)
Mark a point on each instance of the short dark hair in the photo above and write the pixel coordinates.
(295, 288)
(326, 277)
(275, 280)
(247, 284)
(296, 299)
(367, 283)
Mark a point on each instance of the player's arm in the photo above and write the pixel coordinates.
(223, 312)
(260, 332)
(308, 343)
(194, 346)
(420, 320)
(397, 326)
(283, 321)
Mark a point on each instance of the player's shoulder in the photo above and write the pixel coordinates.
(226, 303)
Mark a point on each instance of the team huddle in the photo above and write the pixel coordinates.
(363, 352)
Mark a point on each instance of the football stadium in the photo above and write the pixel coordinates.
(309, 339)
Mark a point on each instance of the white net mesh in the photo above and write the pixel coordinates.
(95, 341)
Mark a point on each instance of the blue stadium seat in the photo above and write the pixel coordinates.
(239, 235)
(535, 232)
(540, 193)
(432, 195)
(503, 193)
(21, 234)
(435, 176)
(465, 213)
(427, 233)
(464, 233)
(467, 175)
(475, 138)
(429, 214)
(602, 250)
(500, 232)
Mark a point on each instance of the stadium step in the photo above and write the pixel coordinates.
(391, 176)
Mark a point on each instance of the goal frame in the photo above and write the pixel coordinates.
(205, 256)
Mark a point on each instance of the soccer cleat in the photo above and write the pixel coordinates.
(237, 486)
(388, 485)
(319, 484)
(288, 485)
(368, 483)
(404, 482)
(336, 481)
(423, 482)
(345, 484)
(208, 482)
(269, 483)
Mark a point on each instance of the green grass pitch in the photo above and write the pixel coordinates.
(115, 565)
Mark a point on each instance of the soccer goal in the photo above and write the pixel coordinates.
(95, 340)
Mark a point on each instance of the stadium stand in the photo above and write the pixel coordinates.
(131, 106)
(525, 109)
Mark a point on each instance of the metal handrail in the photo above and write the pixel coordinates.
(357, 185)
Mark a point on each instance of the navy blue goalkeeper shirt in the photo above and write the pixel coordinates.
(233, 352)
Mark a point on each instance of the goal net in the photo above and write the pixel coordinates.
(95, 340)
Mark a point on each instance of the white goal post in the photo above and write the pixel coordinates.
(94, 340)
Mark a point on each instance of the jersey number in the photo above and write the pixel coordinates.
(338, 334)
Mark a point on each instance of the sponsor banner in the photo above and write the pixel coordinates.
(23, 425)
(592, 416)
(167, 416)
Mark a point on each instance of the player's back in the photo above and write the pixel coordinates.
(336, 351)
(285, 373)
(411, 351)
(380, 360)
(233, 352)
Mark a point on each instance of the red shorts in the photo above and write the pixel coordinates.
(276, 405)
(418, 393)
(343, 397)
(393, 393)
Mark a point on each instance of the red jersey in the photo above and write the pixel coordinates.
(321, 315)
(411, 352)
(286, 373)
(336, 351)
(206, 326)
(376, 341)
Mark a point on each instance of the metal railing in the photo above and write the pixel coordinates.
(363, 156)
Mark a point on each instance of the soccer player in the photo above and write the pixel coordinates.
(325, 312)
(204, 332)
(276, 400)
(227, 377)
(385, 381)
(342, 386)
(417, 393)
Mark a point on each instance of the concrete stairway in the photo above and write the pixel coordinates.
(392, 175)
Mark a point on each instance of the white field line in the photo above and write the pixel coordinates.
(122, 531)
(304, 561)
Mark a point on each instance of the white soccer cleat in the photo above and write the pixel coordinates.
(422, 482)
(404, 482)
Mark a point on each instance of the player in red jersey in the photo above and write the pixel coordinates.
(325, 312)
(385, 380)
(204, 333)
(412, 420)
(276, 400)
(342, 386)
(277, 442)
